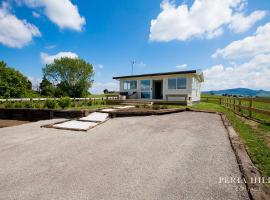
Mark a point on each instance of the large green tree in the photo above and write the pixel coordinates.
(46, 88)
(70, 76)
(12, 83)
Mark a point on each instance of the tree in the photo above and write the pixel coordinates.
(105, 91)
(46, 88)
(13, 83)
(71, 76)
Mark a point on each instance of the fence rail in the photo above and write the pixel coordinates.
(257, 109)
(107, 97)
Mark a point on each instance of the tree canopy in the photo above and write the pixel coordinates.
(69, 76)
(13, 84)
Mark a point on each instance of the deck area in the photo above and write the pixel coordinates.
(149, 101)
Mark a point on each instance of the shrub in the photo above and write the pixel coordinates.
(50, 103)
(89, 103)
(27, 104)
(164, 107)
(155, 107)
(18, 105)
(38, 104)
(64, 102)
(9, 104)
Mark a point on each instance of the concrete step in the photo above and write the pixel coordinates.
(96, 117)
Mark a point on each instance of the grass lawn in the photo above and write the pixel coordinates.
(255, 136)
(259, 105)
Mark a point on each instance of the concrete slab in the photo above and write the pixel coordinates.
(108, 109)
(124, 107)
(96, 117)
(74, 124)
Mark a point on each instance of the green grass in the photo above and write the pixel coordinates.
(253, 137)
(259, 105)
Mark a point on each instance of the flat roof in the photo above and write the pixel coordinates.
(158, 74)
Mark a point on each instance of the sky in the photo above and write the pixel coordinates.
(229, 40)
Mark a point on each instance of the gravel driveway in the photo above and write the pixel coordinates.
(176, 156)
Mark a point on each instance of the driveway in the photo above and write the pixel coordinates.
(176, 156)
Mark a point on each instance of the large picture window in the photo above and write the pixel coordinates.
(130, 85)
(177, 83)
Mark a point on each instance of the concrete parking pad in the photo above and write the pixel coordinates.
(177, 156)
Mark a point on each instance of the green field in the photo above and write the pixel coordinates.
(258, 105)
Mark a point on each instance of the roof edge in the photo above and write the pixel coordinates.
(158, 74)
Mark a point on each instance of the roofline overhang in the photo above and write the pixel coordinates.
(161, 74)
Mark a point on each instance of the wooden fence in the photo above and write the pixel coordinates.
(254, 108)
(106, 97)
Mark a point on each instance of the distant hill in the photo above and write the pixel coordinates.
(240, 92)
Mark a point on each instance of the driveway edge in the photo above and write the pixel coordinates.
(250, 173)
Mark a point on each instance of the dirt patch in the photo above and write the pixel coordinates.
(8, 122)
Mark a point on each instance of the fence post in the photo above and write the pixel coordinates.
(220, 100)
(239, 104)
(250, 106)
(206, 99)
(234, 104)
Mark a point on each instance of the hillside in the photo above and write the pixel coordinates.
(240, 92)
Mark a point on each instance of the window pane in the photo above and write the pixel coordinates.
(145, 85)
(181, 83)
(133, 85)
(126, 85)
(171, 83)
(145, 95)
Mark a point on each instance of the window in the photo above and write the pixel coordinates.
(172, 83)
(177, 83)
(145, 89)
(130, 85)
(181, 83)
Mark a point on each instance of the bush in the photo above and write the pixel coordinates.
(27, 104)
(18, 105)
(156, 107)
(64, 102)
(9, 104)
(89, 103)
(38, 104)
(50, 103)
(164, 107)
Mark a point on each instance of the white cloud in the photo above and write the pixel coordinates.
(204, 19)
(183, 66)
(48, 59)
(241, 23)
(61, 12)
(35, 14)
(252, 74)
(98, 87)
(249, 46)
(50, 46)
(98, 66)
(15, 32)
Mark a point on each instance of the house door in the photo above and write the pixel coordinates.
(157, 89)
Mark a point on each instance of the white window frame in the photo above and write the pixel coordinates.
(127, 83)
(176, 85)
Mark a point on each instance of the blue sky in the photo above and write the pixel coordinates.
(227, 39)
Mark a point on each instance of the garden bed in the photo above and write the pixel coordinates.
(31, 114)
